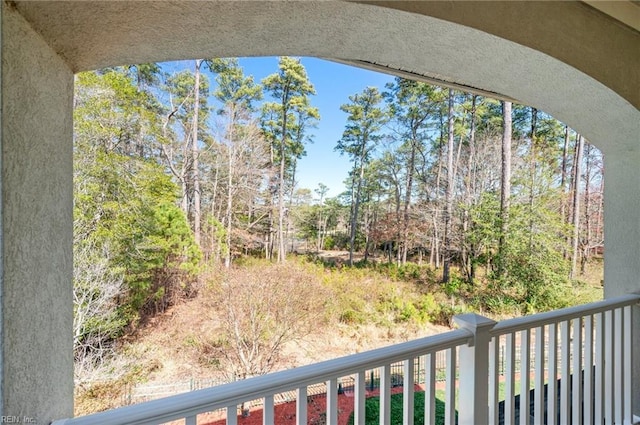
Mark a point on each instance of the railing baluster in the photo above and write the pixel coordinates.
(359, 398)
(576, 405)
(552, 381)
(301, 406)
(267, 412)
(565, 372)
(588, 395)
(191, 420)
(408, 390)
(332, 402)
(450, 392)
(618, 364)
(385, 395)
(494, 375)
(232, 415)
(598, 402)
(430, 389)
(628, 414)
(608, 367)
(525, 372)
(538, 403)
(510, 378)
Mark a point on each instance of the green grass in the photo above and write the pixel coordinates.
(372, 407)
(372, 410)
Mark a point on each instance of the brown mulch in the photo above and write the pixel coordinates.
(285, 413)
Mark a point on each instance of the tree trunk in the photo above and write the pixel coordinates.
(434, 259)
(227, 259)
(290, 230)
(505, 184)
(407, 197)
(587, 207)
(532, 182)
(269, 244)
(320, 220)
(281, 209)
(448, 197)
(356, 206)
(599, 216)
(563, 182)
(367, 226)
(467, 251)
(231, 154)
(195, 154)
(577, 168)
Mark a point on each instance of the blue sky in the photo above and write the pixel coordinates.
(334, 83)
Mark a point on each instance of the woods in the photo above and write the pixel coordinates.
(178, 174)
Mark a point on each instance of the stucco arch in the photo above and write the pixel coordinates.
(565, 58)
(397, 35)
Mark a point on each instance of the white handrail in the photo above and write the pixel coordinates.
(184, 405)
(565, 314)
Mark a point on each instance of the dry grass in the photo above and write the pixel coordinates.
(176, 346)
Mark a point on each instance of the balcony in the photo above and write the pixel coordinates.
(556, 348)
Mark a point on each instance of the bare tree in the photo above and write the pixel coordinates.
(577, 174)
(322, 218)
(96, 289)
(262, 310)
(244, 149)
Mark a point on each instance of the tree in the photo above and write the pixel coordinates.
(467, 248)
(412, 105)
(243, 144)
(245, 151)
(186, 119)
(257, 327)
(577, 177)
(195, 153)
(505, 182)
(285, 120)
(592, 238)
(321, 191)
(449, 194)
(135, 253)
(96, 322)
(360, 137)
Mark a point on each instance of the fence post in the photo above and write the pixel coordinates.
(474, 369)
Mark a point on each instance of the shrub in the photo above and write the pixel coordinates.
(352, 317)
(261, 310)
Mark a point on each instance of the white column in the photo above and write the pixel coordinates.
(474, 370)
(36, 225)
(622, 238)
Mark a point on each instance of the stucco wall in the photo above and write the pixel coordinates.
(622, 241)
(37, 225)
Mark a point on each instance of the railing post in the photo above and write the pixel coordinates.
(474, 369)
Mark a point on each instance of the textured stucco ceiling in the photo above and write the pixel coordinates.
(627, 12)
(579, 67)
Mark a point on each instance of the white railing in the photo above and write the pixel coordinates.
(588, 347)
(565, 342)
